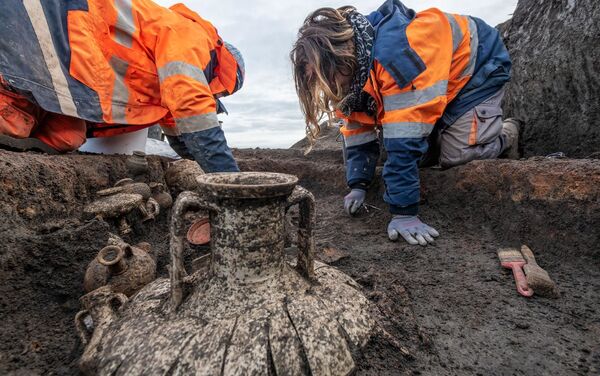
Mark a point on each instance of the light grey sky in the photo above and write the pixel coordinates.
(265, 113)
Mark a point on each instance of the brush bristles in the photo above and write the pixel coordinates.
(510, 255)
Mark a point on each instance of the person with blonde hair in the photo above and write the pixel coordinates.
(430, 82)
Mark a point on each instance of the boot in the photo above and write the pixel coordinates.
(510, 129)
(25, 144)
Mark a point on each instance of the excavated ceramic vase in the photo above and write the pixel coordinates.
(125, 268)
(250, 312)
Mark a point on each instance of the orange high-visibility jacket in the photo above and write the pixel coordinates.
(429, 68)
(125, 63)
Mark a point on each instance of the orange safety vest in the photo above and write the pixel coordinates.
(122, 65)
(418, 106)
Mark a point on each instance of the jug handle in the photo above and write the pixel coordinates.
(306, 242)
(84, 334)
(116, 302)
(185, 201)
(152, 207)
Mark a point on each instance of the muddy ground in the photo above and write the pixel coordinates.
(449, 308)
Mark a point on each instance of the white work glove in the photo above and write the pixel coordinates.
(412, 230)
(354, 200)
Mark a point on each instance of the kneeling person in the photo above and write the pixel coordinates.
(71, 70)
(431, 82)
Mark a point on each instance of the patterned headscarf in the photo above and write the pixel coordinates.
(364, 35)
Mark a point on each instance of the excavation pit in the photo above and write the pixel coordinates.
(447, 309)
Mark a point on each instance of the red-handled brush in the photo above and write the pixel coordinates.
(511, 258)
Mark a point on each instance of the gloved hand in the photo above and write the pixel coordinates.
(412, 230)
(354, 200)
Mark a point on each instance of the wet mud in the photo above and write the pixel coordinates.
(447, 309)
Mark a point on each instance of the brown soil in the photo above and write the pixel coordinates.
(448, 308)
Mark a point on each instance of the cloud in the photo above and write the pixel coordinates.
(265, 113)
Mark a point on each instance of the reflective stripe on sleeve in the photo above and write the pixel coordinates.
(175, 68)
(360, 139)
(470, 69)
(59, 80)
(457, 34)
(407, 130)
(124, 27)
(197, 123)
(120, 96)
(415, 97)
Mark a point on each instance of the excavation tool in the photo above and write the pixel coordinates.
(511, 258)
(537, 278)
(250, 312)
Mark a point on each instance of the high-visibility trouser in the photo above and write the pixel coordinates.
(19, 118)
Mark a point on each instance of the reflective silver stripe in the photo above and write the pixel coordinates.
(470, 69)
(125, 27)
(57, 75)
(360, 139)
(180, 68)
(415, 97)
(120, 96)
(457, 34)
(406, 130)
(197, 123)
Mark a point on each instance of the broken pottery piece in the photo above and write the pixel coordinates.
(125, 268)
(249, 311)
(199, 232)
(331, 255)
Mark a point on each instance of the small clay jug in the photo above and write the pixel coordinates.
(161, 196)
(129, 186)
(100, 308)
(137, 164)
(125, 268)
(181, 175)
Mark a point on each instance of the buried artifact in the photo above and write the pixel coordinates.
(124, 268)
(252, 312)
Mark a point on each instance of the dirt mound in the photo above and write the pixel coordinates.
(555, 86)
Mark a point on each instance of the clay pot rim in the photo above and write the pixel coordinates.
(103, 251)
(275, 184)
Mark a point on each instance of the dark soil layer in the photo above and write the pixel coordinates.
(448, 308)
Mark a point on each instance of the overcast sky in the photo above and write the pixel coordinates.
(265, 113)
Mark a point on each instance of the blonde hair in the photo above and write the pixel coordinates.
(325, 48)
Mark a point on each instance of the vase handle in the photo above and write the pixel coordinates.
(185, 202)
(306, 241)
(84, 333)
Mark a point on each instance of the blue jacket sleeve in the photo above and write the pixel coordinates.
(361, 161)
(401, 174)
(209, 148)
